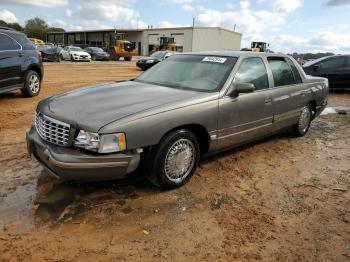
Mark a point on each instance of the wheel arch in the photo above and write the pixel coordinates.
(199, 131)
(35, 69)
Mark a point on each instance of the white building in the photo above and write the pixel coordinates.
(189, 38)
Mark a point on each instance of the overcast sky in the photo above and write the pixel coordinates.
(288, 25)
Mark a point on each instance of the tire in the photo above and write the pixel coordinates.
(32, 84)
(172, 153)
(304, 122)
(127, 58)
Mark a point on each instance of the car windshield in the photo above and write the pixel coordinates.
(159, 54)
(96, 49)
(75, 49)
(313, 62)
(190, 72)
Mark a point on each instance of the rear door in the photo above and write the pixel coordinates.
(10, 62)
(246, 116)
(287, 92)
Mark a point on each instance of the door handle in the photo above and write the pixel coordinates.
(268, 101)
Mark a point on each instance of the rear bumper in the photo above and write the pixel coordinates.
(74, 165)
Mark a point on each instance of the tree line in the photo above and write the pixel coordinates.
(35, 28)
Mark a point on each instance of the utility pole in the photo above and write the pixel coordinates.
(193, 21)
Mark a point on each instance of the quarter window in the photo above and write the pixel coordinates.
(281, 71)
(295, 71)
(252, 70)
(8, 44)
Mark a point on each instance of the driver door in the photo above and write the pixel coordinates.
(245, 117)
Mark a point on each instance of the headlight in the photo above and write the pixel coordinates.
(150, 61)
(101, 143)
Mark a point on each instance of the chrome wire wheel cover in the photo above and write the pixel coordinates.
(304, 120)
(34, 84)
(180, 160)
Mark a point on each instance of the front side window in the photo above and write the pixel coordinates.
(333, 63)
(8, 44)
(252, 70)
(190, 72)
(281, 71)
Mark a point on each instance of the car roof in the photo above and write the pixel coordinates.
(238, 54)
(10, 31)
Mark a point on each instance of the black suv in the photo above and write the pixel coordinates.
(20, 63)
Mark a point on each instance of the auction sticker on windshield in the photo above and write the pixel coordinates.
(214, 59)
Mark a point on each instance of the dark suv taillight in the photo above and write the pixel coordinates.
(40, 56)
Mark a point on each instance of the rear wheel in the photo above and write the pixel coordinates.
(32, 84)
(304, 122)
(175, 160)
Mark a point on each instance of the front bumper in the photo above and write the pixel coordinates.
(79, 58)
(74, 165)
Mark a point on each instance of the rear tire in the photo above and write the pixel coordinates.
(32, 84)
(175, 159)
(304, 122)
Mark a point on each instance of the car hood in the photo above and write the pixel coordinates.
(79, 53)
(92, 108)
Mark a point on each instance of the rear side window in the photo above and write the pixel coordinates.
(252, 70)
(24, 41)
(281, 71)
(8, 44)
(295, 71)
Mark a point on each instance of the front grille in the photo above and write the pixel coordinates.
(52, 130)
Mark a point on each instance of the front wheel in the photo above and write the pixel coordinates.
(32, 84)
(175, 160)
(304, 122)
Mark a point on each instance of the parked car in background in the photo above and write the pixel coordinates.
(20, 64)
(155, 58)
(97, 53)
(336, 68)
(187, 107)
(50, 52)
(74, 53)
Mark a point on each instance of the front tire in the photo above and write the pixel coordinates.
(32, 84)
(304, 122)
(176, 159)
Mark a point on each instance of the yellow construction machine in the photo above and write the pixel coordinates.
(118, 47)
(257, 47)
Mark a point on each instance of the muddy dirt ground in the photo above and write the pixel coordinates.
(282, 198)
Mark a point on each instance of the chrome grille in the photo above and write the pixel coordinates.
(52, 130)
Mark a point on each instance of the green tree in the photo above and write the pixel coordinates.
(15, 26)
(36, 28)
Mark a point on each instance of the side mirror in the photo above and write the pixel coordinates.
(240, 88)
(316, 67)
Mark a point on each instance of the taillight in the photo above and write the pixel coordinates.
(40, 55)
